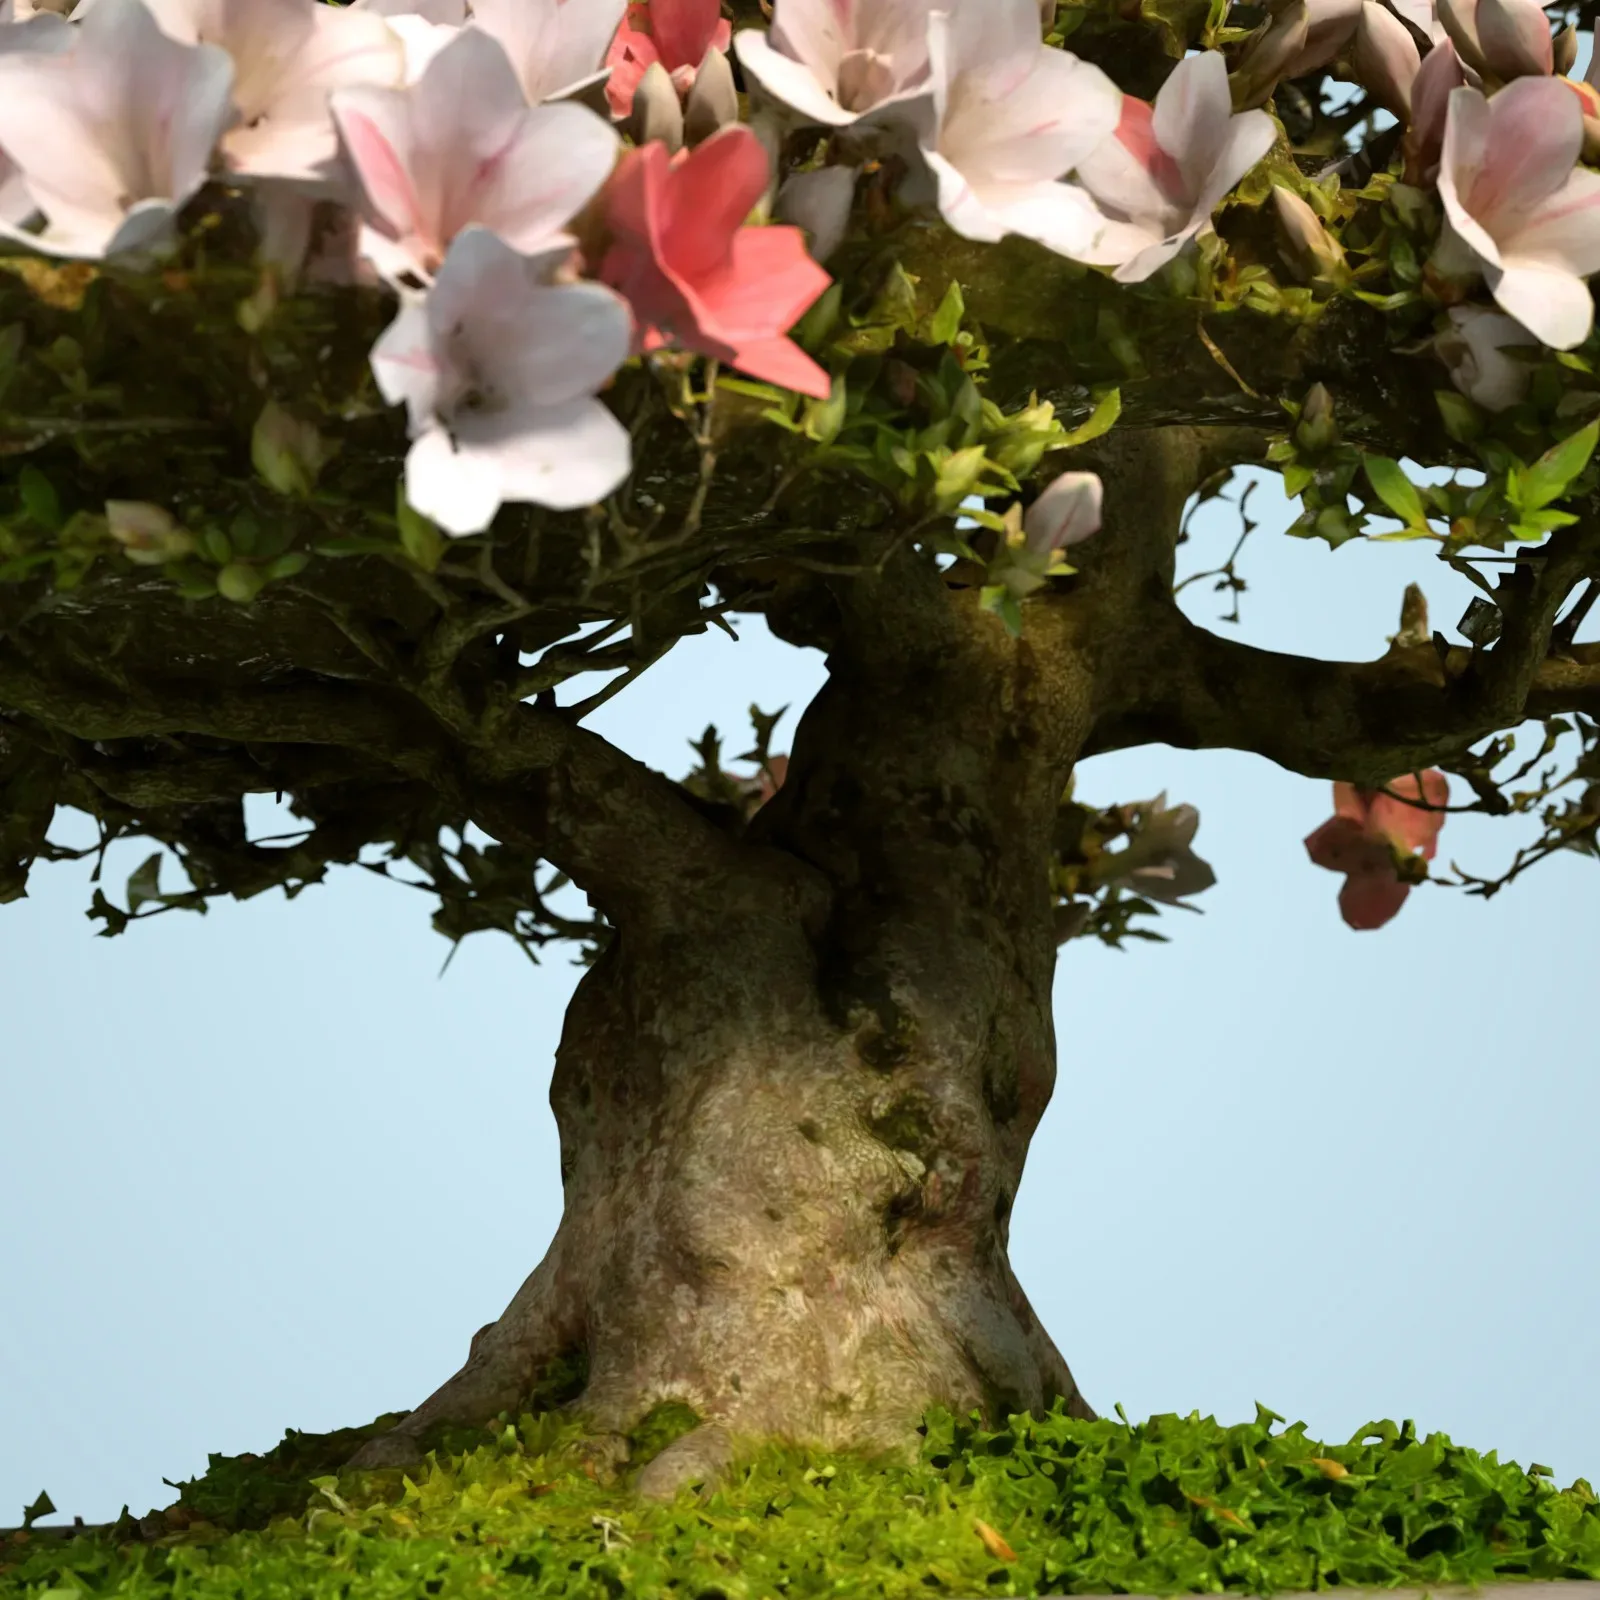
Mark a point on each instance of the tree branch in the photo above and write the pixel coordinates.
(625, 834)
(1358, 721)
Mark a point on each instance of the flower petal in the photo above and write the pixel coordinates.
(1370, 899)
(1549, 301)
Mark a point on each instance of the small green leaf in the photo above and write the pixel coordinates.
(1463, 421)
(945, 323)
(39, 498)
(1554, 472)
(420, 537)
(1101, 420)
(44, 1506)
(1395, 489)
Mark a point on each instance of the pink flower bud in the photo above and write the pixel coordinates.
(148, 534)
(1313, 252)
(1515, 38)
(1067, 513)
(1385, 58)
(657, 112)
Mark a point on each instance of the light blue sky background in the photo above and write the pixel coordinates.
(267, 1169)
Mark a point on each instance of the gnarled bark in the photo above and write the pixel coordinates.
(792, 1134)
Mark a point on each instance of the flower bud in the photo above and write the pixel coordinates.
(713, 101)
(1440, 72)
(1313, 253)
(148, 534)
(1515, 38)
(288, 453)
(1318, 427)
(1385, 58)
(1564, 50)
(657, 112)
(1067, 513)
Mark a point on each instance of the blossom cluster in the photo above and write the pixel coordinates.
(525, 174)
(551, 186)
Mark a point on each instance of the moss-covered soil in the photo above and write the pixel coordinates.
(1054, 1506)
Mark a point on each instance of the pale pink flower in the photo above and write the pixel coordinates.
(112, 136)
(1474, 348)
(558, 47)
(1369, 834)
(424, 27)
(1167, 167)
(1520, 207)
(1441, 73)
(1503, 38)
(1011, 116)
(1423, 15)
(37, 33)
(835, 61)
(462, 145)
(498, 373)
(288, 56)
(696, 275)
(1067, 513)
(677, 33)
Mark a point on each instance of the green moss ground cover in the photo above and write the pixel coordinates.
(1175, 1504)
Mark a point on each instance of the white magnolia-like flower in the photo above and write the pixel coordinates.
(1167, 166)
(835, 61)
(1474, 348)
(34, 33)
(558, 47)
(498, 373)
(425, 27)
(1518, 206)
(110, 137)
(463, 146)
(288, 56)
(1010, 118)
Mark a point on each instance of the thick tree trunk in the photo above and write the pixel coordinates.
(794, 1112)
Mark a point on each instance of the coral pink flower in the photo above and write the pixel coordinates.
(695, 275)
(1368, 836)
(677, 33)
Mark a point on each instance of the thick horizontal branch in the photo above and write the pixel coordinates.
(1363, 722)
(626, 835)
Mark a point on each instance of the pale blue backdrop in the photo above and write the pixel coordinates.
(267, 1168)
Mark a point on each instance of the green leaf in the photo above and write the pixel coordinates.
(1101, 420)
(945, 323)
(1395, 489)
(420, 537)
(1463, 421)
(996, 597)
(1554, 472)
(145, 883)
(39, 498)
(1295, 478)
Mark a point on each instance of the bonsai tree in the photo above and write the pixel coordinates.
(371, 374)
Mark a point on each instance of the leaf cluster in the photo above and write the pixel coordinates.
(1171, 1505)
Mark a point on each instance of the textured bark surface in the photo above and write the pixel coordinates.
(794, 1109)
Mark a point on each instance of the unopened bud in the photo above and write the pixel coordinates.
(1318, 427)
(1313, 253)
(288, 453)
(713, 101)
(148, 534)
(657, 113)
(1564, 50)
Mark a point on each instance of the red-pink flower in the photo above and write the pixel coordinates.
(677, 33)
(696, 275)
(1370, 834)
